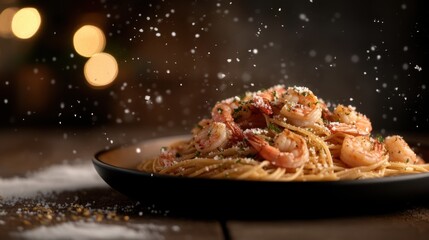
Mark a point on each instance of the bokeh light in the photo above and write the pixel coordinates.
(6, 17)
(26, 22)
(101, 69)
(89, 40)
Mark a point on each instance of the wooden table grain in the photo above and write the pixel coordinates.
(23, 151)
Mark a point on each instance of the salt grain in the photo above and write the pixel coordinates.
(418, 68)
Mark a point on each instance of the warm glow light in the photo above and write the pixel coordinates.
(89, 40)
(26, 22)
(6, 21)
(101, 69)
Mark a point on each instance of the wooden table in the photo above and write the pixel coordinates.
(100, 208)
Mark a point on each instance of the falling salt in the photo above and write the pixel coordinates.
(158, 34)
(221, 75)
(158, 99)
(423, 87)
(141, 30)
(312, 53)
(303, 17)
(255, 51)
(418, 68)
(6, 101)
(228, 60)
(405, 48)
(197, 35)
(328, 58)
(354, 58)
(138, 150)
(378, 57)
(173, 34)
(405, 66)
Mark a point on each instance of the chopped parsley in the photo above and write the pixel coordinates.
(274, 128)
(379, 138)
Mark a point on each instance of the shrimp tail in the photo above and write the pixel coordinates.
(285, 159)
(336, 127)
(262, 104)
(237, 132)
(256, 142)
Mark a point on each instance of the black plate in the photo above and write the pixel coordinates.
(224, 197)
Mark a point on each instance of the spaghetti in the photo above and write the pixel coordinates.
(285, 134)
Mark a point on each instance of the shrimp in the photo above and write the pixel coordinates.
(326, 113)
(201, 124)
(222, 112)
(301, 108)
(250, 113)
(247, 116)
(211, 137)
(361, 151)
(167, 157)
(263, 100)
(289, 150)
(262, 104)
(350, 121)
(399, 151)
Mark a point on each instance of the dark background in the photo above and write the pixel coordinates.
(169, 82)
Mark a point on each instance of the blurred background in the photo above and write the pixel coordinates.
(161, 65)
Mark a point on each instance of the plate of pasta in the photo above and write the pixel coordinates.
(273, 148)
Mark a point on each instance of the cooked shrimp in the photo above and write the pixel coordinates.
(326, 113)
(350, 121)
(399, 151)
(361, 151)
(201, 124)
(262, 104)
(211, 137)
(248, 116)
(301, 108)
(222, 112)
(289, 150)
(167, 157)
